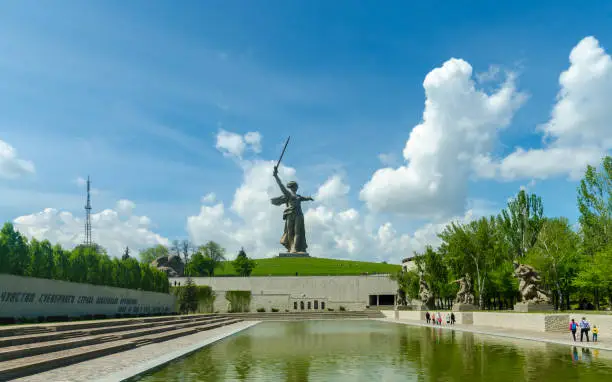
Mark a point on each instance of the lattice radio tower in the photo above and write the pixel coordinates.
(88, 242)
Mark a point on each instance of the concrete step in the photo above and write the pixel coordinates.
(91, 330)
(31, 349)
(162, 329)
(25, 329)
(34, 348)
(22, 331)
(23, 366)
(299, 315)
(168, 335)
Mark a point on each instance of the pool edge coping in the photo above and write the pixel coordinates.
(497, 334)
(138, 370)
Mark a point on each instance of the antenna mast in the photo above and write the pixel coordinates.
(88, 242)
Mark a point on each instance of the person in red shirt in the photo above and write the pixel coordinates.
(573, 326)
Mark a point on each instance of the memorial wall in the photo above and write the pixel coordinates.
(25, 297)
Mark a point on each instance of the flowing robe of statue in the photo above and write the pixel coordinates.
(294, 235)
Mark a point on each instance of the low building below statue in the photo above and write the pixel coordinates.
(294, 254)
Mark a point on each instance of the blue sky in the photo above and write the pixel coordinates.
(135, 93)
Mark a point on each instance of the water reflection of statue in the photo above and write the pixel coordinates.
(529, 285)
(464, 295)
(425, 294)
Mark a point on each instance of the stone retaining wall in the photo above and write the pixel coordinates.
(282, 292)
(26, 297)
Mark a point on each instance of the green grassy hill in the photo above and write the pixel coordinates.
(309, 266)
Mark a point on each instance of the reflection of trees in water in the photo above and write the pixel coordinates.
(201, 366)
(297, 369)
(241, 350)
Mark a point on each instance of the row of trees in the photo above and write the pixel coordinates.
(575, 264)
(83, 264)
(201, 260)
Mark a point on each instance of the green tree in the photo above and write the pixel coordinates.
(131, 273)
(408, 285)
(148, 255)
(14, 254)
(242, 264)
(215, 255)
(188, 298)
(432, 266)
(199, 266)
(47, 270)
(61, 263)
(596, 273)
(475, 248)
(595, 207)
(521, 222)
(555, 255)
(37, 259)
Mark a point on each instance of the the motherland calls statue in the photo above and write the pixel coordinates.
(427, 298)
(294, 235)
(529, 285)
(172, 265)
(464, 295)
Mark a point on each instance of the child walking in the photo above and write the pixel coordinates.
(595, 333)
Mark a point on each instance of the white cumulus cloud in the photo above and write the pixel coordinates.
(232, 144)
(11, 166)
(579, 131)
(112, 229)
(459, 127)
(334, 190)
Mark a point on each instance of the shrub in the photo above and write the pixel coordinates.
(188, 298)
(204, 295)
(342, 309)
(239, 300)
(261, 310)
(274, 310)
(330, 309)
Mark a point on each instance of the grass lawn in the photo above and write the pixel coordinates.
(309, 266)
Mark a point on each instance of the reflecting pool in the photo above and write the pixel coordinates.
(361, 350)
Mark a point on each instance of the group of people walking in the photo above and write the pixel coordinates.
(436, 318)
(585, 328)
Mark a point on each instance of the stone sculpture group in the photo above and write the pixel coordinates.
(173, 265)
(465, 294)
(529, 285)
(427, 298)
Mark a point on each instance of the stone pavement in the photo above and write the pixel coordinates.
(547, 337)
(127, 364)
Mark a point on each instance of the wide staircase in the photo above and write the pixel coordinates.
(306, 315)
(31, 349)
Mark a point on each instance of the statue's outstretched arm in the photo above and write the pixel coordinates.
(279, 182)
(306, 198)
